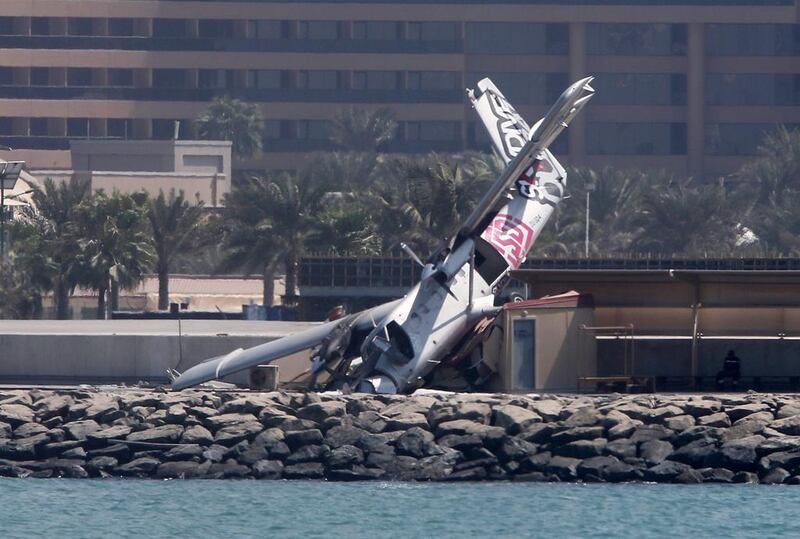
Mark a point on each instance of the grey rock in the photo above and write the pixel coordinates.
(459, 426)
(582, 449)
(565, 468)
(53, 406)
(140, 467)
(530, 477)
(197, 434)
(634, 411)
(16, 414)
(102, 436)
(537, 433)
(738, 412)
(679, 423)
(288, 422)
(217, 422)
(697, 433)
(270, 437)
(548, 409)
(319, 412)
(665, 472)
(298, 438)
(268, 469)
(655, 451)
(344, 435)
(215, 453)
(789, 460)
(163, 434)
(304, 470)
(471, 411)
(355, 473)
(100, 464)
(621, 448)
(696, 453)
(121, 452)
(645, 433)
(789, 425)
(279, 451)
(576, 433)
(184, 452)
(775, 476)
(345, 456)
(783, 443)
(515, 449)
(719, 419)
(744, 428)
(718, 475)
(228, 470)
(180, 470)
(700, 408)
(55, 449)
(176, 414)
(29, 429)
(622, 430)
(737, 455)
(79, 430)
(233, 434)
(621, 472)
(745, 477)
(74, 453)
(470, 474)
(583, 417)
(414, 442)
(309, 453)
(202, 412)
(5, 430)
(788, 410)
(689, 477)
(251, 404)
(514, 418)
(465, 443)
(596, 466)
(406, 421)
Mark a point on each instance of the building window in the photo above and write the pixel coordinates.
(752, 39)
(215, 78)
(169, 78)
(170, 28)
(7, 26)
(77, 127)
(120, 77)
(40, 76)
(753, 89)
(40, 26)
(631, 39)
(313, 129)
(432, 131)
(266, 29)
(272, 130)
(79, 76)
(79, 26)
(318, 30)
(38, 127)
(165, 129)
(119, 128)
(376, 80)
(618, 138)
(271, 79)
(433, 80)
(120, 27)
(525, 88)
(377, 30)
(737, 138)
(318, 80)
(215, 28)
(432, 31)
(640, 88)
(517, 38)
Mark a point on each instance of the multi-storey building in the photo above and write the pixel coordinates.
(690, 85)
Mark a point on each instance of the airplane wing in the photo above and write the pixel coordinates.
(505, 127)
(241, 359)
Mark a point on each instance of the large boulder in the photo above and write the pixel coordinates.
(703, 407)
(548, 409)
(298, 438)
(197, 434)
(695, 454)
(665, 472)
(514, 418)
(304, 470)
(217, 422)
(738, 412)
(472, 411)
(345, 456)
(162, 434)
(655, 451)
(789, 425)
(576, 433)
(319, 412)
(16, 414)
(565, 468)
(80, 430)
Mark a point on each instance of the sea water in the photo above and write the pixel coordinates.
(62, 508)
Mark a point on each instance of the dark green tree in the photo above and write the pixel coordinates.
(234, 120)
(363, 130)
(176, 230)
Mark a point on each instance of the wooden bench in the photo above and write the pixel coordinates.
(620, 384)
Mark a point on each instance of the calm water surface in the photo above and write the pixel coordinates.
(111, 508)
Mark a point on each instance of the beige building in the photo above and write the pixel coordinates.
(690, 85)
(201, 169)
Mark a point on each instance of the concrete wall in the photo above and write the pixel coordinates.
(46, 353)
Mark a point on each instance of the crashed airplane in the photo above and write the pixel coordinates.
(397, 347)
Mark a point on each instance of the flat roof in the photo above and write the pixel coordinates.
(239, 328)
(656, 276)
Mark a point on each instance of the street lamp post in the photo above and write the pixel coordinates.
(9, 173)
(589, 189)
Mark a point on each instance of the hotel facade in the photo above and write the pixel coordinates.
(686, 85)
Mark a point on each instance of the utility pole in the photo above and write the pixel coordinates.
(589, 189)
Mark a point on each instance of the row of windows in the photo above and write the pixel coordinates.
(603, 138)
(636, 39)
(753, 89)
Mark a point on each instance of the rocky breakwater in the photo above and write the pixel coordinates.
(424, 437)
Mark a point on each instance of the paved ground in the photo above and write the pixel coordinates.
(151, 327)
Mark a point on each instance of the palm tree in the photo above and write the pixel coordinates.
(54, 222)
(115, 245)
(270, 221)
(234, 120)
(363, 130)
(175, 226)
(346, 229)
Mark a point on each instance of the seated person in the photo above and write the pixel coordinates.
(731, 369)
